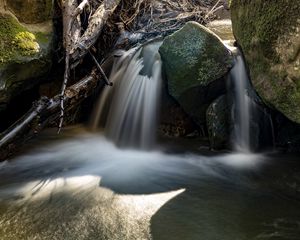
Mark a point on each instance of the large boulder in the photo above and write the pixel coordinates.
(268, 32)
(25, 54)
(193, 59)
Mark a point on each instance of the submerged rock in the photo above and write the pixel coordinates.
(268, 32)
(194, 58)
(25, 55)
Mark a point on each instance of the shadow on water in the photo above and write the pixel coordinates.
(86, 188)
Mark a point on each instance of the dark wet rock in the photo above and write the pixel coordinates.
(222, 122)
(219, 124)
(287, 134)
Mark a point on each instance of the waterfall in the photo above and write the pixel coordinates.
(242, 113)
(128, 110)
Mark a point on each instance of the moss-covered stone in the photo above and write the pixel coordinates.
(193, 56)
(24, 57)
(268, 32)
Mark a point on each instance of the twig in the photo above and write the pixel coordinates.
(62, 93)
(212, 9)
(107, 82)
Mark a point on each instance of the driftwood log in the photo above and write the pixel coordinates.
(42, 113)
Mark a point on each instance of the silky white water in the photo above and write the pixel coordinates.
(86, 188)
(242, 112)
(128, 110)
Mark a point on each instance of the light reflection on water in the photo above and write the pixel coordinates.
(86, 188)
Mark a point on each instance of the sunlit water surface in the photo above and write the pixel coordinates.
(83, 187)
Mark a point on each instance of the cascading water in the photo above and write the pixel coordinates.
(128, 110)
(242, 113)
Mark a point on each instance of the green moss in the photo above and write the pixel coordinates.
(16, 40)
(262, 22)
(42, 37)
(26, 42)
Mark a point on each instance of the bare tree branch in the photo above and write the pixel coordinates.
(44, 112)
(95, 26)
(71, 34)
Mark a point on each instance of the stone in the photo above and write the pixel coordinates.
(222, 124)
(193, 56)
(219, 124)
(25, 56)
(269, 35)
(195, 61)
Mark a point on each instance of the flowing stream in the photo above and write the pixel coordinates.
(83, 186)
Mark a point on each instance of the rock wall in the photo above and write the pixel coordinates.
(269, 33)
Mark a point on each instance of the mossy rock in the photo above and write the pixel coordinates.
(31, 11)
(268, 32)
(195, 61)
(25, 56)
(193, 56)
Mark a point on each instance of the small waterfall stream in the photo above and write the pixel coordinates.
(242, 113)
(128, 110)
(84, 187)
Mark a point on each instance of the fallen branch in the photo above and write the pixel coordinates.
(44, 112)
